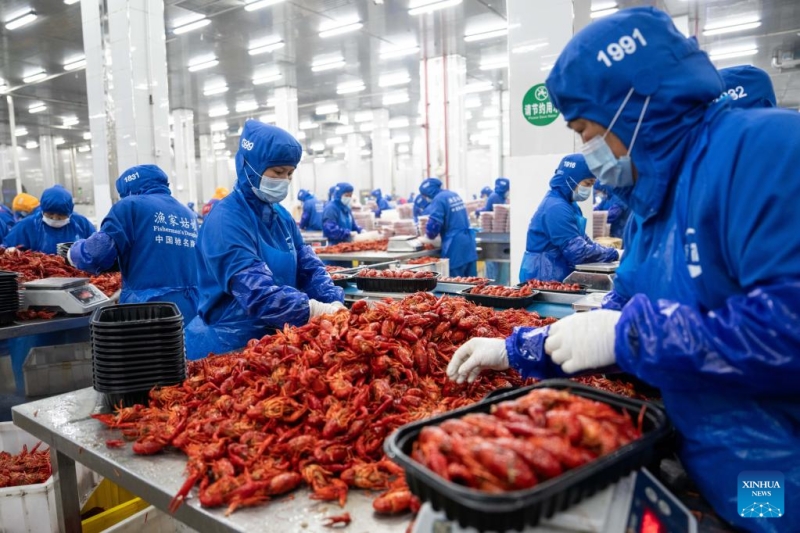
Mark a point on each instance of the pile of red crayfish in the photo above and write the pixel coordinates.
(333, 268)
(36, 265)
(348, 247)
(313, 404)
(552, 286)
(108, 282)
(24, 468)
(396, 274)
(423, 260)
(503, 292)
(615, 386)
(524, 441)
(466, 279)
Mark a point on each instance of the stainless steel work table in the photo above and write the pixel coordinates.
(64, 423)
(377, 257)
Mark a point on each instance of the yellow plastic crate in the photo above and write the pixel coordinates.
(118, 502)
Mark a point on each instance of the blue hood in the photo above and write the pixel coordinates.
(142, 179)
(486, 191)
(748, 87)
(303, 195)
(571, 171)
(340, 190)
(431, 187)
(57, 200)
(330, 193)
(586, 82)
(263, 146)
(377, 194)
(502, 186)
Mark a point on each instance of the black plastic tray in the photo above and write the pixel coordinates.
(126, 399)
(159, 366)
(344, 282)
(581, 291)
(133, 386)
(116, 329)
(396, 284)
(499, 301)
(153, 341)
(125, 378)
(137, 314)
(518, 509)
(133, 349)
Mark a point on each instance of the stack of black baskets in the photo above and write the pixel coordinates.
(136, 347)
(9, 297)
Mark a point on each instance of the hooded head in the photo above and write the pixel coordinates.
(570, 172)
(748, 87)
(24, 203)
(340, 189)
(486, 191)
(261, 147)
(377, 194)
(303, 195)
(330, 193)
(142, 179)
(430, 187)
(638, 54)
(220, 193)
(57, 200)
(502, 186)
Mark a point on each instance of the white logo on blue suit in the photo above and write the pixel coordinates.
(247, 145)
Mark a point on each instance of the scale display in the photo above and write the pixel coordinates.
(73, 296)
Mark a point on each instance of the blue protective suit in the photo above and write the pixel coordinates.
(448, 217)
(31, 233)
(337, 219)
(486, 191)
(153, 236)
(7, 221)
(255, 273)
(557, 238)
(498, 196)
(712, 275)
(383, 205)
(311, 219)
(748, 86)
(420, 205)
(618, 212)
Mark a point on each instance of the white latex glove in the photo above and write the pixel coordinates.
(367, 236)
(338, 305)
(436, 242)
(583, 340)
(317, 308)
(476, 355)
(11, 250)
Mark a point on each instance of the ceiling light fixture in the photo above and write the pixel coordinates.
(21, 19)
(350, 87)
(470, 37)
(337, 27)
(184, 28)
(75, 63)
(732, 25)
(362, 116)
(344, 130)
(70, 2)
(37, 108)
(420, 7)
(69, 121)
(733, 54)
(248, 105)
(399, 52)
(326, 109)
(395, 98)
(84, 148)
(218, 111)
(603, 10)
(36, 76)
(20, 132)
(218, 146)
(529, 47)
(478, 87)
(3, 87)
(307, 125)
(494, 62)
(202, 64)
(219, 126)
(215, 89)
(265, 45)
(58, 141)
(31, 145)
(260, 4)
(327, 64)
(87, 136)
(267, 78)
(394, 79)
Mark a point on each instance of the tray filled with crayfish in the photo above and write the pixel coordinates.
(554, 286)
(500, 296)
(506, 462)
(401, 280)
(342, 280)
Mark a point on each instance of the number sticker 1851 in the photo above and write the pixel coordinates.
(625, 47)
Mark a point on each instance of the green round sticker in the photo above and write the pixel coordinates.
(537, 107)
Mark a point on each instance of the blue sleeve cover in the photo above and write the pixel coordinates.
(314, 280)
(272, 305)
(750, 344)
(526, 355)
(614, 301)
(614, 212)
(581, 250)
(20, 235)
(306, 217)
(331, 230)
(95, 254)
(436, 211)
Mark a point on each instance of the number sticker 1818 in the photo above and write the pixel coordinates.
(625, 47)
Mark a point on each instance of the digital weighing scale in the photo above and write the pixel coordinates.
(73, 296)
(638, 503)
(595, 276)
(404, 243)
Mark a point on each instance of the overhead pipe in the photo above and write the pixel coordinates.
(444, 103)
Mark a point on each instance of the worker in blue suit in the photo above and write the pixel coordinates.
(420, 205)
(311, 219)
(711, 302)
(448, 218)
(498, 196)
(23, 205)
(748, 86)
(338, 224)
(54, 224)
(7, 220)
(557, 239)
(255, 273)
(153, 236)
(618, 212)
(486, 192)
(383, 204)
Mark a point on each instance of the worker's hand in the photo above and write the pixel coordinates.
(437, 242)
(11, 250)
(583, 341)
(338, 305)
(476, 355)
(317, 308)
(367, 236)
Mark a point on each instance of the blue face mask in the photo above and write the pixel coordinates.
(581, 193)
(603, 164)
(270, 190)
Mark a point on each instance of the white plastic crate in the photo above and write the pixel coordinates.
(50, 370)
(32, 508)
(150, 520)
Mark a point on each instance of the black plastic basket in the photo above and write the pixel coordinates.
(370, 284)
(518, 509)
(500, 302)
(137, 314)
